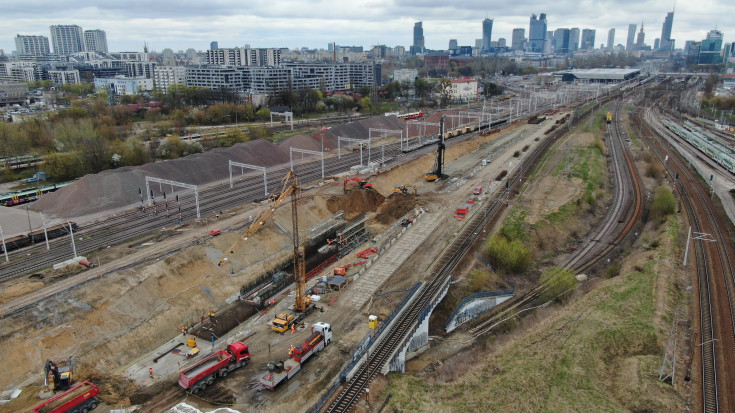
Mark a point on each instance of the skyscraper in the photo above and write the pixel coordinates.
(418, 38)
(666, 42)
(215, 46)
(31, 45)
(588, 39)
(95, 41)
(640, 41)
(487, 31)
(67, 39)
(519, 39)
(574, 39)
(629, 46)
(709, 51)
(537, 33)
(611, 39)
(561, 41)
(453, 44)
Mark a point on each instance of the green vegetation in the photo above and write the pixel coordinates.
(663, 203)
(598, 353)
(560, 284)
(508, 255)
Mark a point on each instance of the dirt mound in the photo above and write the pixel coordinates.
(395, 207)
(355, 202)
(300, 142)
(119, 187)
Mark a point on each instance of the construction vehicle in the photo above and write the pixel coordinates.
(283, 322)
(609, 117)
(362, 184)
(436, 173)
(367, 252)
(403, 189)
(218, 364)
(80, 398)
(278, 371)
(58, 378)
(342, 270)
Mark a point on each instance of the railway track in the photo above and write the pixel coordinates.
(439, 277)
(716, 286)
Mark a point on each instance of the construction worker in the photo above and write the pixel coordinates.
(150, 371)
(201, 320)
(293, 328)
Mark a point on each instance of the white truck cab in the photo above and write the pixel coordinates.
(325, 329)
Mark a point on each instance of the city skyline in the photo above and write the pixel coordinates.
(180, 26)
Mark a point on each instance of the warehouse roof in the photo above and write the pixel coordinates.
(598, 74)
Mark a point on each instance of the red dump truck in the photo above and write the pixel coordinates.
(197, 377)
(80, 398)
(321, 335)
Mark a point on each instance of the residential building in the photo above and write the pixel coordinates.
(418, 38)
(244, 57)
(215, 46)
(95, 41)
(610, 39)
(666, 42)
(31, 45)
(588, 39)
(487, 31)
(630, 45)
(167, 57)
(518, 41)
(132, 56)
(122, 85)
(19, 71)
(574, 39)
(64, 77)
(464, 88)
(191, 54)
(502, 43)
(537, 33)
(453, 44)
(13, 93)
(436, 62)
(67, 39)
(710, 50)
(140, 69)
(165, 76)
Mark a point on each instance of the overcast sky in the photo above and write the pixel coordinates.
(182, 24)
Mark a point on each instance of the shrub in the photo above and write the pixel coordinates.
(599, 145)
(525, 148)
(478, 279)
(516, 154)
(663, 203)
(560, 284)
(511, 256)
(654, 170)
(501, 175)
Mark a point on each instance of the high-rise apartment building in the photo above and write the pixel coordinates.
(418, 38)
(31, 45)
(487, 31)
(666, 42)
(610, 39)
(574, 39)
(95, 41)
(215, 46)
(518, 42)
(630, 45)
(67, 39)
(588, 39)
(537, 33)
(453, 44)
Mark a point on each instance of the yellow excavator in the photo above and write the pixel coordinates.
(436, 173)
(403, 189)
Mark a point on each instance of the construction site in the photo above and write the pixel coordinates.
(281, 302)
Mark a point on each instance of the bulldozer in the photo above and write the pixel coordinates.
(403, 189)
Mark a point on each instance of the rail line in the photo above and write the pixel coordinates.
(716, 289)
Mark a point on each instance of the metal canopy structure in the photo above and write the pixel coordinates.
(244, 165)
(360, 142)
(288, 116)
(172, 184)
(307, 152)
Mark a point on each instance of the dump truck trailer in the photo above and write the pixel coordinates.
(197, 377)
(279, 371)
(80, 398)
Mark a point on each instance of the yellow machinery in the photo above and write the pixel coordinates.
(282, 322)
(403, 189)
(436, 173)
(58, 378)
(609, 117)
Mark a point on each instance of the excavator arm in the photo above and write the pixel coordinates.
(288, 188)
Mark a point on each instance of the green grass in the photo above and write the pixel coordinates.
(513, 226)
(601, 353)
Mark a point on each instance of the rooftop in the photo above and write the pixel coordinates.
(599, 74)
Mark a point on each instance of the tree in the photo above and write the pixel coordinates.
(421, 87)
(365, 105)
(663, 203)
(263, 114)
(445, 91)
(560, 284)
(510, 256)
(233, 136)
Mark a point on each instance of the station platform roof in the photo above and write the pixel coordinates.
(598, 75)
